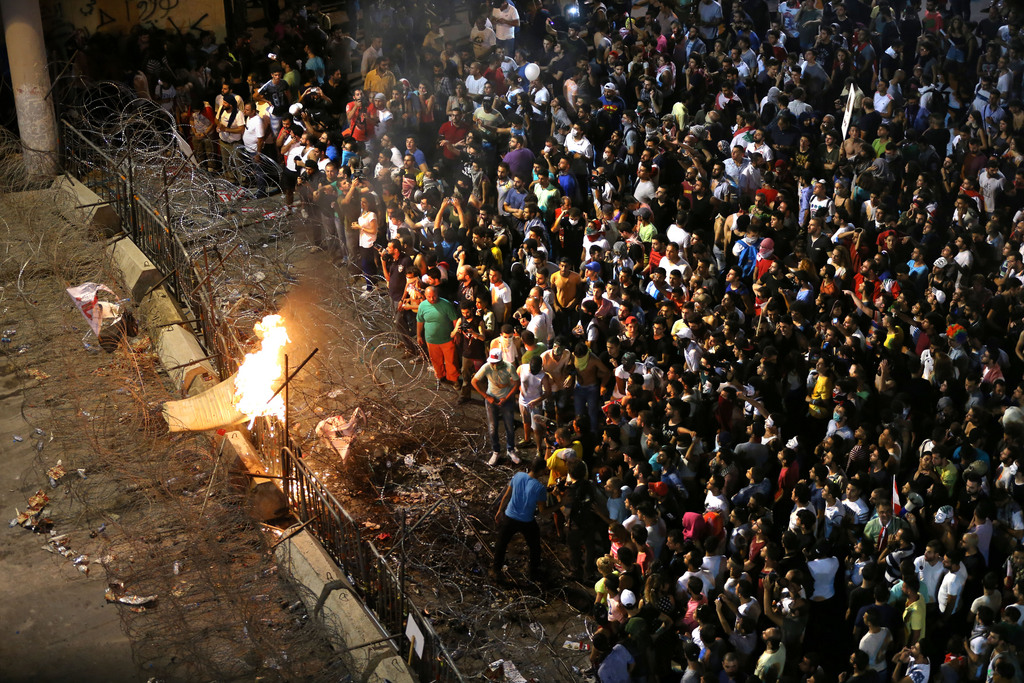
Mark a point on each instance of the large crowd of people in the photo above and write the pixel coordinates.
(747, 274)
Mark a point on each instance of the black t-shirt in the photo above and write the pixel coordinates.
(277, 95)
(338, 95)
(396, 276)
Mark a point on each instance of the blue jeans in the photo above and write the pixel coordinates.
(505, 412)
(587, 397)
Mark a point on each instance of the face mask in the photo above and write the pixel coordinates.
(574, 221)
(836, 416)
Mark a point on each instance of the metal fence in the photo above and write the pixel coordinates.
(364, 566)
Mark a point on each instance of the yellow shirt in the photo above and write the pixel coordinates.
(822, 391)
(914, 618)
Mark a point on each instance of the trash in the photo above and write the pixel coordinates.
(133, 600)
(98, 531)
(410, 461)
(39, 446)
(81, 473)
(176, 568)
(37, 374)
(81, 559)
(38, 432)
(576, 645)
(337, 432)
(32, 517)
(505, 668)
(10, 332)
(371, 526)
(17, 439)
(537, 630)
(55, 473)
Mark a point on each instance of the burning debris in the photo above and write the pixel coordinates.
(244, 396)
(261, 372)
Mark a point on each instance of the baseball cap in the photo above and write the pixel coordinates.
(629, 358)
(594, 266)
(658, 488)
(627, 599)
(610, 86)
(494, 356)
(565, 454)
(643, 212)
(631, 320)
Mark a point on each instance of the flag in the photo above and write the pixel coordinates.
(86, 298)
(897, 507)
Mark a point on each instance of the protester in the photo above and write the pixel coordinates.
(786, 322)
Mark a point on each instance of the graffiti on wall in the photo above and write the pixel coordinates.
(63, 17)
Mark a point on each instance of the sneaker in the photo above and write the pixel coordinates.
(524, 444)
(494, 458)
(513, 456)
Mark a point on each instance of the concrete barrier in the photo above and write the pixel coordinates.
(348, 622)
(305, 561)
(180, 354)
(343, 613)
(92, 211)
(138, 274)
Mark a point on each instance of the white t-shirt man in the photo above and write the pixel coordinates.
(823, 571)
(540, 325)
(531, 386)
(475, 84)
(255, 129)
(502, 30)
(952, 586)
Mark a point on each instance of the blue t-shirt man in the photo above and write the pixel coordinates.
(527, 492)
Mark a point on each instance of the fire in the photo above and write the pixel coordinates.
(261, 372)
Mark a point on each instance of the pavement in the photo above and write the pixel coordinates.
(54, 622)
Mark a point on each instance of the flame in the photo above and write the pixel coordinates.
(261, 372)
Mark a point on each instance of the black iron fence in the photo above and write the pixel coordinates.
(365, 567)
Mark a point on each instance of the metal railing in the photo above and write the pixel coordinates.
(364, 565)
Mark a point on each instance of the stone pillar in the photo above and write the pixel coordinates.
(23, 29)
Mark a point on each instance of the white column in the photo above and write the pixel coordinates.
(23, 29)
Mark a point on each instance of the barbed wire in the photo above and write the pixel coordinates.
(413, 446)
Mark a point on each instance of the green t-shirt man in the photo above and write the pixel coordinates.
(438, 320)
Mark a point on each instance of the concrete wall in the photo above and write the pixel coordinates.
(63, 17)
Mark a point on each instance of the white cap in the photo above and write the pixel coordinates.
(627, 599)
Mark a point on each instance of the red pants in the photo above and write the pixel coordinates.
(442, 357)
